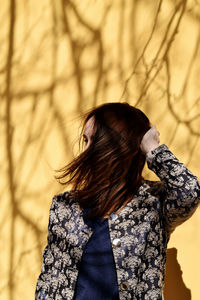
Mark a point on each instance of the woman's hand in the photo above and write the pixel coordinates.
(150, 140)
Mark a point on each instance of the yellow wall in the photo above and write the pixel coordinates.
(60, 58)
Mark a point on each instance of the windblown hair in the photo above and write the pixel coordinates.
(109, 172)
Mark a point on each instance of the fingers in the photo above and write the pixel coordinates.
(156, 134)
(153, 126)
(157, 138)
(155, 130)
(151, 139)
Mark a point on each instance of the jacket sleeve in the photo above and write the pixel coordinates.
(43, 282)
(181, 192)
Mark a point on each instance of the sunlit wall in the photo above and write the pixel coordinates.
(60, 58)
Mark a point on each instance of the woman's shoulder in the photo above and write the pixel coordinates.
(64, 205)
(66, 197)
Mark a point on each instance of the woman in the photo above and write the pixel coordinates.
(108, 235)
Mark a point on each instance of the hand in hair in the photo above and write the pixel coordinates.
(150, 140)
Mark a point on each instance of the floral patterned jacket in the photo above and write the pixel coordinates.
(139, 233)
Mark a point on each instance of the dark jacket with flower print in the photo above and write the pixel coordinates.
(143, 227)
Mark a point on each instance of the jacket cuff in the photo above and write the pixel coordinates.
(150, 156)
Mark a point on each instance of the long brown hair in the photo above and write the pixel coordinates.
(109, 172)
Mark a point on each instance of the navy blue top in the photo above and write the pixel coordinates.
(97, 279)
